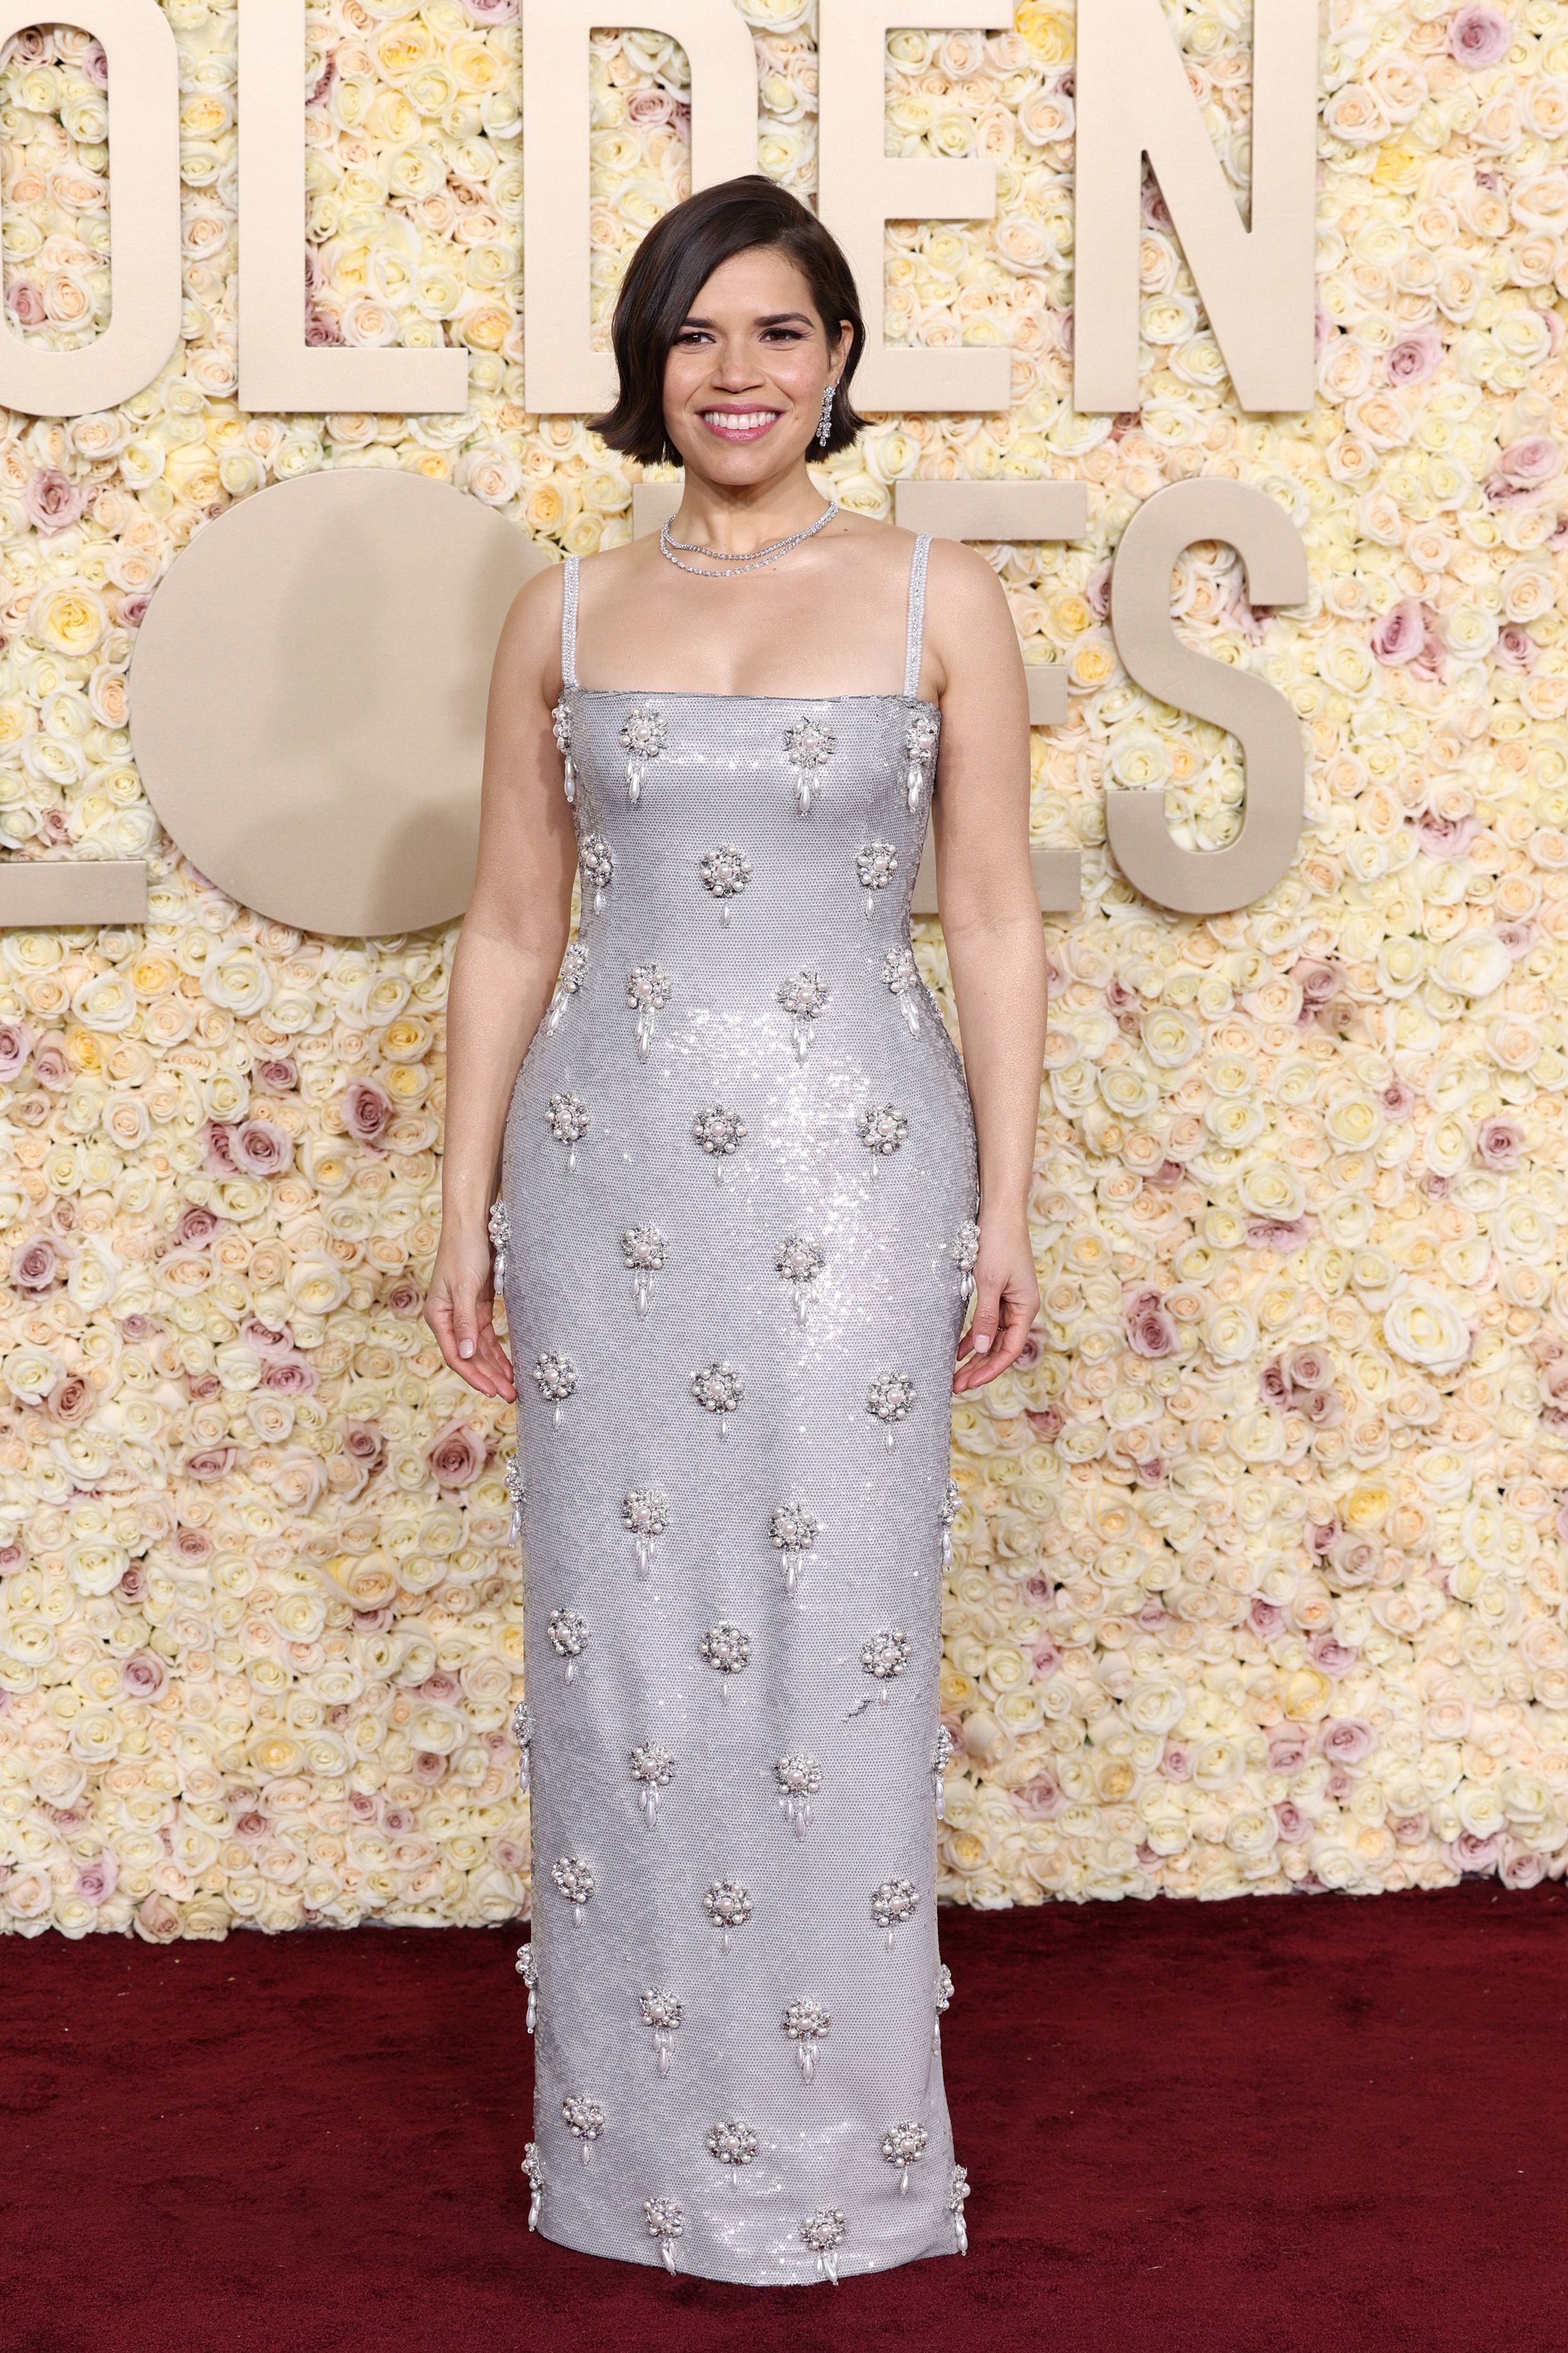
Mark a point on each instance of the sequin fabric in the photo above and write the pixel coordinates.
(793, 1535)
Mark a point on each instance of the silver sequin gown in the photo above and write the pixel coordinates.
(738, 1179)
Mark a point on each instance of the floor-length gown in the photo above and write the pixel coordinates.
(738, 1196)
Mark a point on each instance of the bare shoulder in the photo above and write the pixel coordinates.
(959, 580)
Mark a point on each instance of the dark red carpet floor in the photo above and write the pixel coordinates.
(1266, 2126)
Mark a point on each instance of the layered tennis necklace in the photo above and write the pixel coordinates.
(732, 565)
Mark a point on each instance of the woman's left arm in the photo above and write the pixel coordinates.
(991, 922)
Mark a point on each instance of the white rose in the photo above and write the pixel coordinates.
(1425, 1328)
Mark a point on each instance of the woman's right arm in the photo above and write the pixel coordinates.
(508, 955)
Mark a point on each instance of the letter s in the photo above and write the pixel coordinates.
(1209, 882)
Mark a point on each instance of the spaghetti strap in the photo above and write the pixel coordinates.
(917, 616)
(569, 623)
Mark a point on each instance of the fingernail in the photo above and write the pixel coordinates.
(465, 1347)
(981, 1341)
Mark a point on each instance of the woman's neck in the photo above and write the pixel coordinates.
(740, 520)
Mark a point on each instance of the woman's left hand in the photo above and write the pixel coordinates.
(1006, 1301)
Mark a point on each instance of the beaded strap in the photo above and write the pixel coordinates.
(917, 616)
(569, 623)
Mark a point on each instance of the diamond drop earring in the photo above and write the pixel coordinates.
(825, 422)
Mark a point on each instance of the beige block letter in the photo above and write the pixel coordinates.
(143, 221)
(277, 371)
(860, 189)
(1209, 882)
(1133, 99)
(562, 373)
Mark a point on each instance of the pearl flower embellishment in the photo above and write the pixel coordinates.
(643, 739)
(725, 873)
(809, 745)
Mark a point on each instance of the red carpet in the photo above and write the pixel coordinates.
(1268, 2126)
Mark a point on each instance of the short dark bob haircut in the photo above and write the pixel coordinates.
(678, 257)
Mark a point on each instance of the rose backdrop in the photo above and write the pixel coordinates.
(1259, 1570)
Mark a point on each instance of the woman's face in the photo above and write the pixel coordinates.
(744, 378)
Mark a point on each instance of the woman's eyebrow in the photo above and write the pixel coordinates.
(770, 319)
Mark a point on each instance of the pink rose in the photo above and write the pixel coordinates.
(193, 1545)
(429, 1768)
(1520, 1866)
(95, 65)
(1319, 981)
(1041, 1799)
(217, 1149)
(1499, 1143)
(1266, 1620)
(15, 1043)
(1480, 37)
(1307, 1368)
(1515, 648)
(1168, 1175)
(1287, 1747)
(262, 1148)
(133, 1583)
(492, 12)
(366, 1108)
(1346, 1740)
(321, 329)
(403, 1297)
(96, 1880)
(1398, 1098)
(1468, 1852)
(195, 1228)
(1531, 461)
(1293, 1824)
(1046, 1421)
(1446, 837)
(1406, 639)
(143, 1673)
(280, 1076)
(263, 1341)
(1047, 1659)
(133, 612)
(50, 1067)
(32, 1268)
(1408, 1829)
(1273, 1388)
(1276, 1233)
(53, 502)
(650, 107)
(361, 1440)
(455, 1456)
(1329, 1654)
(1176, 1764)
(1415, 356)
(26, 305)
(291, 1375)
(212, 1463)
(1151, 1331)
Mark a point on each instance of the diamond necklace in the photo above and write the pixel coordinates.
(739, 563)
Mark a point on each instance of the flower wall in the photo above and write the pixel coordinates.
(1260, 1570)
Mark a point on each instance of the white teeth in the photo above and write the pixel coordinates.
(725, 421)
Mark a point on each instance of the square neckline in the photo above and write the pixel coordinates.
(913, 632)
(713, 694)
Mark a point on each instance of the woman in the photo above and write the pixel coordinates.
(740, 1176)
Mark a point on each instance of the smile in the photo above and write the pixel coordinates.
(740, 424)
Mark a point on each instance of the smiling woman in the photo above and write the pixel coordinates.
(745, 1099)
(658, 320)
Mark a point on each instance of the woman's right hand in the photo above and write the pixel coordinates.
(460, 1311)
